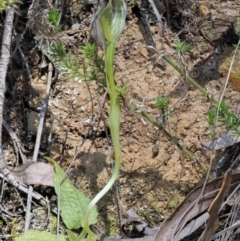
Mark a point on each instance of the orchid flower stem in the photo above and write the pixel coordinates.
(114, 122)
(112, 20)
(114, 118)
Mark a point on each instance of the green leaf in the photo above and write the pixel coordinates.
(71, 236)
(35, 235)
(53, 220)
(73, 203)
(54, 17)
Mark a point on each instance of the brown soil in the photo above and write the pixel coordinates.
(155, 175)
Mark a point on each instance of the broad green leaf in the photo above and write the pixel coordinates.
(73, 203)
(35, 235)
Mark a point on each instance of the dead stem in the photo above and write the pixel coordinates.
(38, 141)
(4, 59)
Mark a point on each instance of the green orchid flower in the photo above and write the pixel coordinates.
(112, 19)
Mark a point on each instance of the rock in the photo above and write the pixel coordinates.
(75, 26)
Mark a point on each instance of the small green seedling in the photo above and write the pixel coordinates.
(173, 199)
(181, 46)
(92, 68)
(227, 117)
(122, 90)
(210, 120)
(54, 18)
(162, 103)
(89, 51)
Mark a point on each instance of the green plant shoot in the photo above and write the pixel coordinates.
(122, 90)
(112, 21)
(181, 46)
(162, 103)
(54, 18)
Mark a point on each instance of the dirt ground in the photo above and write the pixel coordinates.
(155, 175)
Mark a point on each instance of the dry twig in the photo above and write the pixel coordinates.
(158, 16)
(38, 141)
(16, 142)
(4, 59)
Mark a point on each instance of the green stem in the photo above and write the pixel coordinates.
(82, 235)
(189, 79)
(114, 123)
(109, 58)
(114, 117)
(167, 134)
